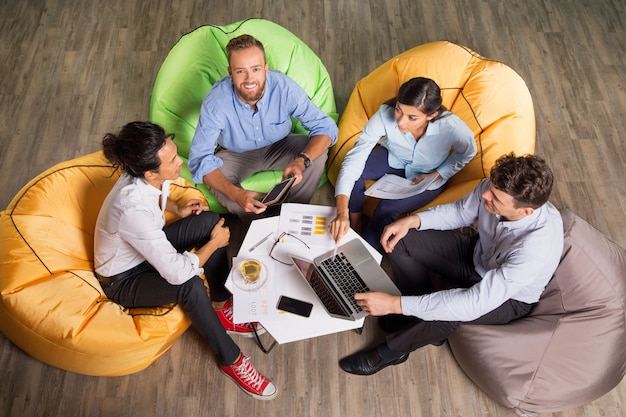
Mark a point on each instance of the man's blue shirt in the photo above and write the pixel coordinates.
(227, 121)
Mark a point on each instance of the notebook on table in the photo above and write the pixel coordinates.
(335, 279)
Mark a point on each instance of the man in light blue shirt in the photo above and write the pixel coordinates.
(493, 276)
(244, 127)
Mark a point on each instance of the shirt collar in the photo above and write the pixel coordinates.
(150, 191)
(432, 128)
(238, 101)
(521, 223)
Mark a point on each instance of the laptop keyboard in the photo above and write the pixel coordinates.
(346, 278)
(325, 295)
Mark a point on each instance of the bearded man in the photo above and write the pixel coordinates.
(245, 127)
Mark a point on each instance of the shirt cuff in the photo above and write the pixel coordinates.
(405, 305)
(195, 262)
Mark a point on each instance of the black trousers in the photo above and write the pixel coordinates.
(143, 286)
(432, 260)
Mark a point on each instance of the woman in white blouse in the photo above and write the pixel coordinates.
(142, 262)
(411, 135)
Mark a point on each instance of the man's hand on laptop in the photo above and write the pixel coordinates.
(379, 303)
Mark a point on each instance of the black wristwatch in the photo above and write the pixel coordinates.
(305, 158)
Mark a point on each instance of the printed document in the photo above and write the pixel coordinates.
(308, 222)
(257, 301)
(393, 187)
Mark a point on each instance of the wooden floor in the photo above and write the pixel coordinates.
(72, 70)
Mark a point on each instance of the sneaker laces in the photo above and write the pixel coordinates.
(248, 373)
(228, 313)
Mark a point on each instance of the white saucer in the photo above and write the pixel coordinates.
(240, 281)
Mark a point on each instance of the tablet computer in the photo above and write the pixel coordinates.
(278, 194)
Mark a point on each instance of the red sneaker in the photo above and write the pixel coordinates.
(225, 315)
(250, 380)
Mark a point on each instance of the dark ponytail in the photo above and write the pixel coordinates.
(135, 148)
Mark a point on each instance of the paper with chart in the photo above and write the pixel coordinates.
(308, 222)
(393, 187)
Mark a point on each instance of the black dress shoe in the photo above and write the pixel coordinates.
(369, 362)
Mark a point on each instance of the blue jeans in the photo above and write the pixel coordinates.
(143, 286)
(387, 211)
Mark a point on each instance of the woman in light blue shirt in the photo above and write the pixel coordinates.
(411, 135)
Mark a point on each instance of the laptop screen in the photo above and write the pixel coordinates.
(307, 268)
(330, 300)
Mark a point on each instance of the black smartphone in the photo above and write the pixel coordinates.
(291, 305)
(279, 192)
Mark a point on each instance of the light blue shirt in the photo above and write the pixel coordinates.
(227, 121)
(430, 153)
(516, 259)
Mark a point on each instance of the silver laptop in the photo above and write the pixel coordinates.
(335, 279)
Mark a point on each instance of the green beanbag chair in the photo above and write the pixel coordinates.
(199, 59)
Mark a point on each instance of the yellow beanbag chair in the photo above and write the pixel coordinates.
(487, 95)
(51, 304)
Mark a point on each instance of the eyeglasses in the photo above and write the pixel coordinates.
(282, 235)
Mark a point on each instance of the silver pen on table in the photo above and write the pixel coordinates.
(335, 250)
(256, 245)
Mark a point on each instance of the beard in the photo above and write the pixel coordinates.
(251, 96)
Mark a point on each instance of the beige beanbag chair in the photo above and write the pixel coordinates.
(51, 304)
(571, 349)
